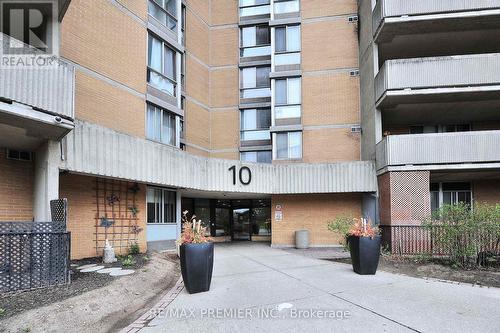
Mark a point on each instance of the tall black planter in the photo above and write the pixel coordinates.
(365, 254)
(197, 262)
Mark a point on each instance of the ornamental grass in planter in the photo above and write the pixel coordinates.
(362, 239)
(196, 255)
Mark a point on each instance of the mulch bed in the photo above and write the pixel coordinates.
(12, 304)
(435, 268)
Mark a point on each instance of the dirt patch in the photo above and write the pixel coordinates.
(93, 302)
(434, 269)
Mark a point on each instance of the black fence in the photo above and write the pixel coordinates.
(33, 255)
(415, 240)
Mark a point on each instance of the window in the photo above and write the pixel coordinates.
(289, 145)
(255, 123)
(160, 125)
(254, 7)
(287, 45)
(165, 11)
(456, 128)
(183, 25)
(449, 194)
(161, 205)
(261, 156)
(286, 6)
(161, 66)
(255, 41)
(287, 98)
(183, 71)
(19, 155)
(255, 82)
(287, 39)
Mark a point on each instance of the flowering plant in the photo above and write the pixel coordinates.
(349, 226)
(363, 228)
(193, 232)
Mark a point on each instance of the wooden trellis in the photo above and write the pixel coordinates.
(114, 202)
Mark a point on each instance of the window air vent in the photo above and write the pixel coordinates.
(353, 19)
(19, 155)
(354, 73)
(356, 129)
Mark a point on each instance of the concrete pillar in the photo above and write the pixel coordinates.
(46, 180)
(179, 214)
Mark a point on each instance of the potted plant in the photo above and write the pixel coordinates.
(196, 255)
(362, 240)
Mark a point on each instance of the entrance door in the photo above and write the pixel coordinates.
(241, 224)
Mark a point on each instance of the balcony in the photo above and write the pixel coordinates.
(438, 79)
(393, 17)
(440, 149)
(36, 99)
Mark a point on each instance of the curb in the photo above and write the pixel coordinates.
(158, 308)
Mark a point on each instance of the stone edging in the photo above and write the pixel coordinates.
(159, 307)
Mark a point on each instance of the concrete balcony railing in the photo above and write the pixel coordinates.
(439, 149)
(437, 72)
(385, 9)
(46, 88)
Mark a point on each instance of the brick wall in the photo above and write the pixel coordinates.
(312, 212)
(16, 189)
(83, 216)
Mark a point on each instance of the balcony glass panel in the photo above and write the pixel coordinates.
(287, 59)
(161, 82)
(255, 135)
(289, 111)
(284, 7)
(251, 11)
(246, 3)
(256, 93)
(256, 51)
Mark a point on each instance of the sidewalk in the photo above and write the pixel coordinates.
(259, 289)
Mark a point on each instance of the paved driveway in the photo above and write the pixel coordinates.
(259, 289)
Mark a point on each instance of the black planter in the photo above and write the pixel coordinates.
(197, 262)
(365, 253)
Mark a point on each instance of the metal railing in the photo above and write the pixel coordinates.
(397, 8)
(48, 86)
(33, 255)
(438, 72)
(439, 148)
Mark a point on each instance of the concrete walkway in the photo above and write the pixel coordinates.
(259, 289)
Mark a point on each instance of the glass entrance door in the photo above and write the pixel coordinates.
(241, 224)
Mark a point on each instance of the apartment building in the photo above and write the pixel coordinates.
(245, 113)
(430, 101)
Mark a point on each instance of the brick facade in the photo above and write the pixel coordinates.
(16, 189)
(84, 214)
(312, 212)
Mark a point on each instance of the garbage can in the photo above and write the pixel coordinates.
(302, 239)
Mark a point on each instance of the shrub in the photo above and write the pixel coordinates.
(127, 261)
(134, 249)
(463, 233)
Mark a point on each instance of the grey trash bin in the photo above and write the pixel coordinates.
(302, 239)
